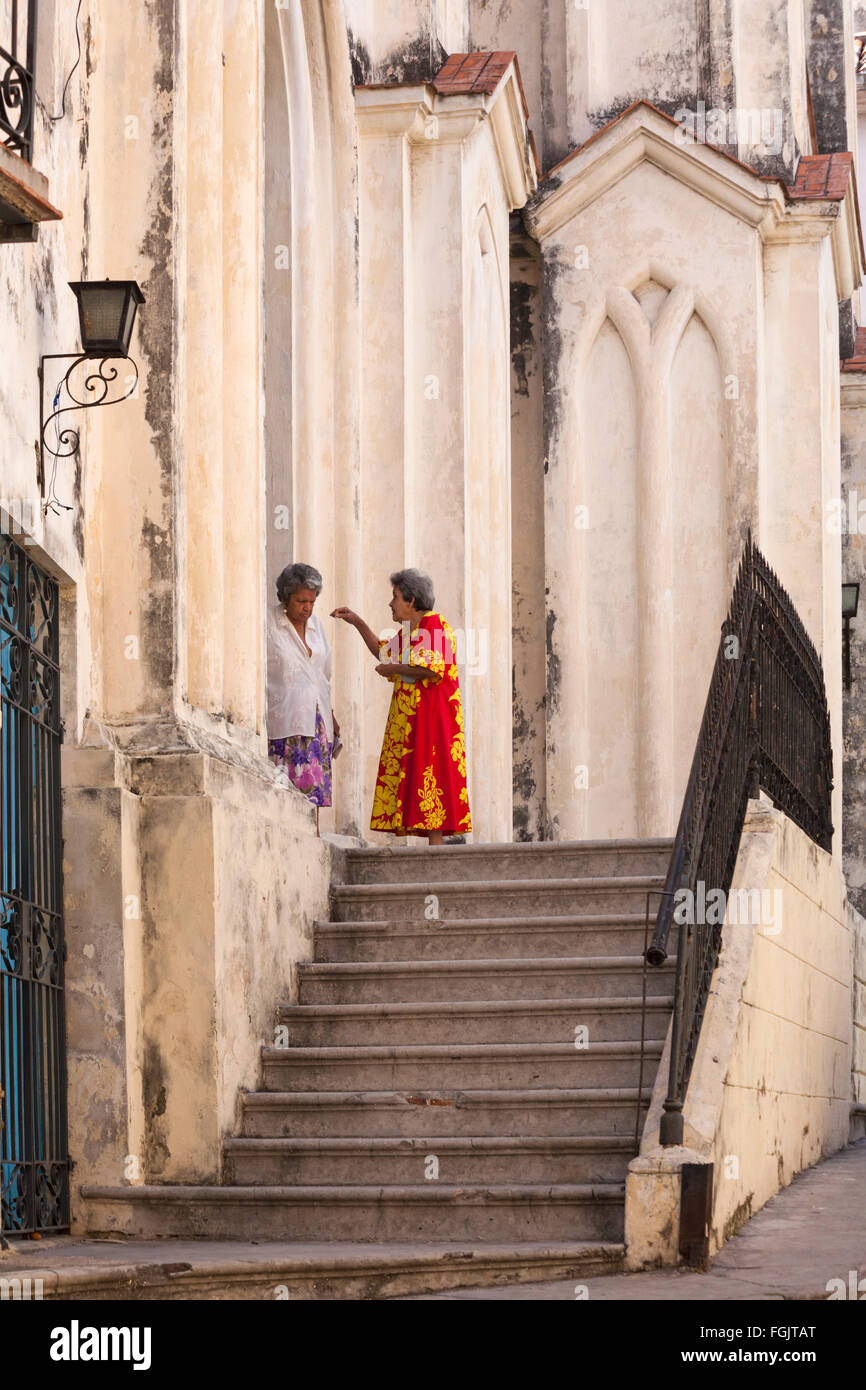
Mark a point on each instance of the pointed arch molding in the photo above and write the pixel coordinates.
(651, 342)
(484, 237)
(651, 348)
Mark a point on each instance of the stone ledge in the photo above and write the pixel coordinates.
(23, 198)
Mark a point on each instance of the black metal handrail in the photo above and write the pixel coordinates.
(17, 90)
(766, 725)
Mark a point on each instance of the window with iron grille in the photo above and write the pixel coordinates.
(33, 1153)
(17, 68)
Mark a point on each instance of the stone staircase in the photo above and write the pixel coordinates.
(437, 1089)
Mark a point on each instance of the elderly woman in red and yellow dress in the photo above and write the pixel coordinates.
(421, 786)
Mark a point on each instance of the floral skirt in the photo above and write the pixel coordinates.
(306, 762)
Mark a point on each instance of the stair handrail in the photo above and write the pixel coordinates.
(766, 725)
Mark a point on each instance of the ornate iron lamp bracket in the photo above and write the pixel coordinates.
(94, 391)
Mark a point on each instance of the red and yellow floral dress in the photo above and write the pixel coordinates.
(421, 784)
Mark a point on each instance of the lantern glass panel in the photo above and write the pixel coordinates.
(850, 598)
(128, 320)
(102, 315)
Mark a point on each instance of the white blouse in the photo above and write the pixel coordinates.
(297, 683)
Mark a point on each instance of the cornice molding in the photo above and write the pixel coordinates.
(646, 136)
(396, 111)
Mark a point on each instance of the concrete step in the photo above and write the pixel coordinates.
(470, 1159)
(475, 1066)
(526, 897)
(482, 1021)
(548, 859)
(458, 938)
(234, 1270)
(428, 1211)
(413, 1114)
(601, 977)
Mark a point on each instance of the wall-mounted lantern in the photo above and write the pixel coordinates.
(106, 313)
(850, 600)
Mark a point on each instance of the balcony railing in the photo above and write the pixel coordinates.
(17, 91)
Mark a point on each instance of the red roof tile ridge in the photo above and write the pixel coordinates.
(464, 73)
(835, 177)
(822, 175)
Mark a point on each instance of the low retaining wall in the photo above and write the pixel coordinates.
(771, 1087)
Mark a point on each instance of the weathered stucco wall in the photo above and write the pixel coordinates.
(527, 564)
(38, 315)
(787, 1084)
(191, 894)
(771, 1086)
(651, 345)
(585, 62)
(191, 878)
(858, 1125)
(438, 177)
(849, 517)
(403, 40)
(674, 281)
(846, 521)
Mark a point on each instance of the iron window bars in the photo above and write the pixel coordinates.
(17, 90)
(33, 1144)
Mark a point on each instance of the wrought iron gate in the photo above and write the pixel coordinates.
(35, 1187)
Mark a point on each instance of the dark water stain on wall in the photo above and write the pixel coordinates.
(828, 65)
(156, 1152)
(415, 62)
(158, 342)
(522, 337)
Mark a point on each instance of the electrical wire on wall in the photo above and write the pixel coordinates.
(46, 113)
(53, 503)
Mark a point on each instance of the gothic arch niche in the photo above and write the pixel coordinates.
(654, 483)
(487, 682)
(609, 600)
(700, 527)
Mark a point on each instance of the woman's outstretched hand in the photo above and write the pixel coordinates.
(348, 615)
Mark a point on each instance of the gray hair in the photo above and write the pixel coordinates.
(295, 577)
(415, 584)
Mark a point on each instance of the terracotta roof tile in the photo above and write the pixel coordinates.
(857, 363)
(822, 176)
(469, 73)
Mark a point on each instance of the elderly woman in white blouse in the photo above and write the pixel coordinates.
(302, 730)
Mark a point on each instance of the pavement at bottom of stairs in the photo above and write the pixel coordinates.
(810, 1233)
